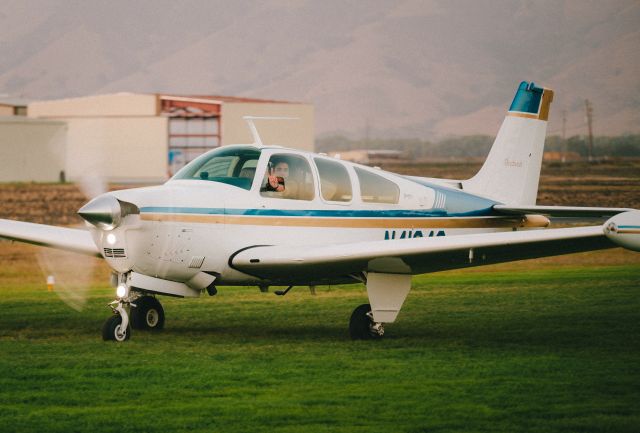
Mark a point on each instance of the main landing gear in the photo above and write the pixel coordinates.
(133, 311)
(147, 314)
(362, 326)
(386, 293)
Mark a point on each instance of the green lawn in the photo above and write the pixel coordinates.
(541, 350)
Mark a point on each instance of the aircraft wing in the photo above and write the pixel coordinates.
(414, 256)
(75, 240)
(560, 211)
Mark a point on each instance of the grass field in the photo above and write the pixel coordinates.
(540, 346)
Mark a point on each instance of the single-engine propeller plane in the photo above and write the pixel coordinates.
(265, 215)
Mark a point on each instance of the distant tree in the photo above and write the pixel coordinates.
(479, 145)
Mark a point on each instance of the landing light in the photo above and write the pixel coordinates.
(121, 291)
(111, 239)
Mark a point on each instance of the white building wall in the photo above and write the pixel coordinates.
(31, 150)
(118, 104)
(119, 149)
(297, 134)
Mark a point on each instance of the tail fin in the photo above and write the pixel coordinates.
(512, 170)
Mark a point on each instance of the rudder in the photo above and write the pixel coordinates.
(511, 172)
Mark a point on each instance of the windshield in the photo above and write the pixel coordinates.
(231, 165)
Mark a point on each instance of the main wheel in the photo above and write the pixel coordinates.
(112, 329)
(147, 314)
(362, 326)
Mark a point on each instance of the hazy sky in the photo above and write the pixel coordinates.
(407, 68)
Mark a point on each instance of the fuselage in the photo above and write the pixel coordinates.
(196, 222)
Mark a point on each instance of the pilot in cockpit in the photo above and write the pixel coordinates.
(278, 180)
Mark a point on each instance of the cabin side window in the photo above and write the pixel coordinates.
(377, 189)
(287, 176)
(335, 184)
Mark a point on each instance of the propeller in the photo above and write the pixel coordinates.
(71, 275)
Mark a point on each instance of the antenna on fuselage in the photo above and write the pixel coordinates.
(254, 131)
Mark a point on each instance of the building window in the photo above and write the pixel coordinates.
(190, 137)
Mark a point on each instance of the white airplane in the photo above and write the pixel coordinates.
(265, 215)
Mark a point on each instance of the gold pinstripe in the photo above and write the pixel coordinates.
(455, 222)
(628, 231)
(525, 115)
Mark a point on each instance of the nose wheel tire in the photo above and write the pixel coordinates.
(112, 329)
(362, 326)
(147, 314)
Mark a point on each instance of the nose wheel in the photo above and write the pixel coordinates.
(146, 314)
(116, 327)
(113, 329)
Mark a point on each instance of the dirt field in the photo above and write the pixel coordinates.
(613, 184)
(609, 184)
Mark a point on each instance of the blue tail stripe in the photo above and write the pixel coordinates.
(527, 99)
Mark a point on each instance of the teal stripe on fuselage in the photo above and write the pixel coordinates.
(405, 213)
(458, 202)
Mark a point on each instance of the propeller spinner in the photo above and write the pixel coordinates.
(107, 212)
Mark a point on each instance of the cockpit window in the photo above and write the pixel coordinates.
(231, 165)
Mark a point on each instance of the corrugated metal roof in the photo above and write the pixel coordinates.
(220, 98)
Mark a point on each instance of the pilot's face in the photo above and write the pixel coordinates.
(282, 170)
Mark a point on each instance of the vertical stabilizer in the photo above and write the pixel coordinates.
(512, 170)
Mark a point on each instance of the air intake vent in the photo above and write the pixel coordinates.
(116, 253)
(196, 262)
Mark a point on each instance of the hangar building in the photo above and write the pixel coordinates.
(127, 137)
(13, 107)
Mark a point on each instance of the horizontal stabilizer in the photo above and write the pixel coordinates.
(560, 211)
(63, 238)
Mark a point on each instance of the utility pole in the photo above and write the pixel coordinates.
(589, 113)
(565, 147)
(366, 133)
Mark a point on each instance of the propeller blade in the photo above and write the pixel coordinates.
(72, 275)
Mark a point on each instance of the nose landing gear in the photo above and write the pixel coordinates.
(146, 313)
(117, 327)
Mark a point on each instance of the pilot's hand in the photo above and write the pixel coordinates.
(273, 182)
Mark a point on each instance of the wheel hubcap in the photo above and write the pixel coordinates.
(152, 318)
(119, 334)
